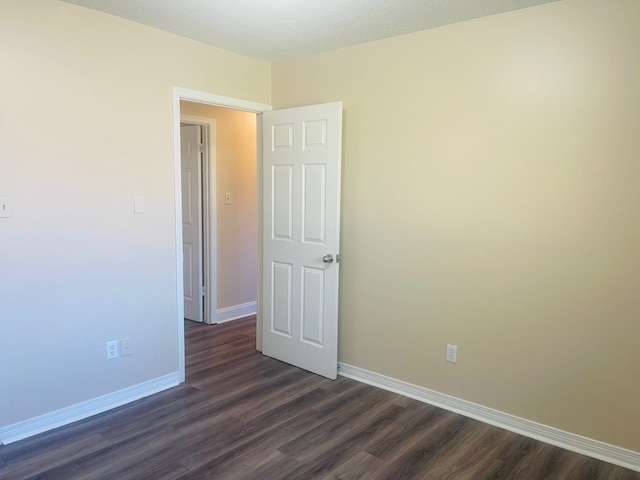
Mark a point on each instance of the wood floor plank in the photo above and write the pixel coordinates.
(410, 429)
(359, 466)
(214, 464)
(416, 460)
(242, 416)
(332, 453)
(469, 455)
(51, 458)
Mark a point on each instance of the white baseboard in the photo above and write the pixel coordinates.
(237, 311)
(569, 441)
(86, 409)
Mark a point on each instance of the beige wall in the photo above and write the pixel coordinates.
(77, 267)
(237, 224)
(491, 200)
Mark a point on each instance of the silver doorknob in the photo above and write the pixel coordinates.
(327, 258)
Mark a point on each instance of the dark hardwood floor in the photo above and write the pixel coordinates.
(241, 415)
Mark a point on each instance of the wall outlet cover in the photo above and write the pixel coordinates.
(452, 353)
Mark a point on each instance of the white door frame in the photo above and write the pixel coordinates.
(209, 214)
(219, 101)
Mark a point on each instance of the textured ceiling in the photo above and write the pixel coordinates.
(275, 30)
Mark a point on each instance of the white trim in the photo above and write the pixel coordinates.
(238, 311)
(179, 93)
(177, 200)
(259, 169)
(83, 410)
(219, 100)
(569, 441)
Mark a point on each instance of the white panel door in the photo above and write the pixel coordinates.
(190, 139)
(302, 150)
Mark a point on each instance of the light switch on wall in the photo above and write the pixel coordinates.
(5, 207)
(125, 347)
(227, 199)
(138, 204)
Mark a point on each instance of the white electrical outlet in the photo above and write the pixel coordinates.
(112, 349)
(452, 353)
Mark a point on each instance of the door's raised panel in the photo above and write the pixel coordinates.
(312, 314)
(282, 202)
(187, 275)
(314, 179)
(314, 134)
(186, 146)
(282, 137)
(187, 207)
(281, 298)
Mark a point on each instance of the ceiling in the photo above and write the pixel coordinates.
(276, 30)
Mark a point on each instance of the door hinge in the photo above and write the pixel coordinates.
(202, 291)
(201, 147)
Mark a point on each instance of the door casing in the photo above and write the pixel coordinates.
(219, 101)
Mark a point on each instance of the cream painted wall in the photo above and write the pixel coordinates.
(77, 267)
(491, 200)
(237, 224)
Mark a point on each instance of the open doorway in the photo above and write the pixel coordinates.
(227, 199)
(193, 99)
(315, 127)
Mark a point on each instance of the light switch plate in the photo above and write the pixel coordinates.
(5, 207)
(125, 347)
(138, 204)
